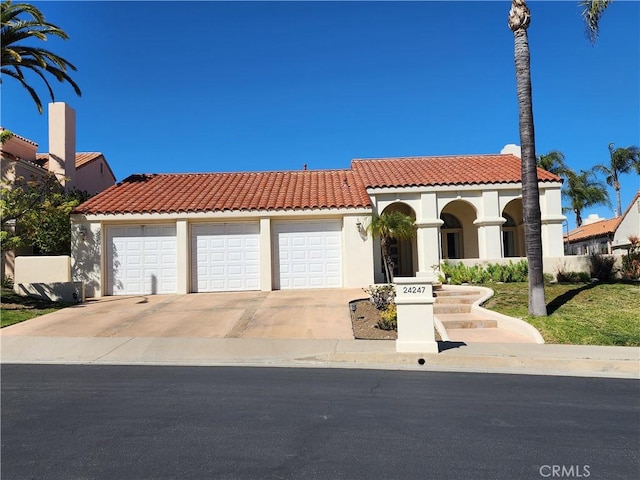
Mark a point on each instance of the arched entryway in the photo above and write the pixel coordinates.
(403, 251)
(458, 234)
(513, 230)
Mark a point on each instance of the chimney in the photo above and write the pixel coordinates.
(62, 143)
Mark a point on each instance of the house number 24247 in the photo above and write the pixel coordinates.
(413, 289)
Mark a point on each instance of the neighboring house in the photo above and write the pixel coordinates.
(605, 236)
(181, 233)
(86, 171)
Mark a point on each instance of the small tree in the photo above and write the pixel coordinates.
(388, 226)
(36, 213)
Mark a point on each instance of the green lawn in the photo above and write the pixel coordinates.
(16, 309)
(579, 314)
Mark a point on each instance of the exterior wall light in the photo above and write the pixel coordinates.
(83, 233)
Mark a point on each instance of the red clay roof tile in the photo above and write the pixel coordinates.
(82, 158)
(294, 190)
(214, 192)
(445, 170)
(593, 230)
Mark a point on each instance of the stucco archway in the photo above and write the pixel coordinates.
(458, 234)
(513, 244)
(404, 251)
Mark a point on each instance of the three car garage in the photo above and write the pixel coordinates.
(143, 259)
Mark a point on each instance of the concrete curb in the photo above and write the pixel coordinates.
(531, 359)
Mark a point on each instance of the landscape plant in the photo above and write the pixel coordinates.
(381, 295)
(389, 318)
(602, 267)
(459, 273)
(631, 261)
(35, 213)
(388, 226)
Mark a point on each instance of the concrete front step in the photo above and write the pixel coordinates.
(440, 308)
(455, 293)
(463, 322)
(456, 300)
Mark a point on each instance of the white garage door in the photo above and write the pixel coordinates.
(225, 257)
(142, 259)
(308, 254)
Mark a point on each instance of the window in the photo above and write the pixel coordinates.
(451, 232)
(509, 236)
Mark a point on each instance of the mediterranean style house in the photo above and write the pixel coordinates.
(86, 171)
(207, 232)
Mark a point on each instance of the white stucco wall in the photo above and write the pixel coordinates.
(479, 208)
(89, 254)
(629, 226)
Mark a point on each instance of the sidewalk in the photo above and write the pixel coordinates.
(517, 358)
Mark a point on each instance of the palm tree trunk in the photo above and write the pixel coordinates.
(519, 19)
(616, 187)
(386, 259)
(578, 218)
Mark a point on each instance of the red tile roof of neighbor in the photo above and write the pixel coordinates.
(302, 189)
(214, 192)
(601, 228)
(593, 230)
(82, 158)
(445, 170)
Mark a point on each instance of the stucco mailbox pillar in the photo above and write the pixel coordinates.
(414, 301)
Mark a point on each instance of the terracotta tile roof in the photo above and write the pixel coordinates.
(593, 230)
(601, 228)
(82, 158)
(15, 135)
(445, 170)
(214, 192)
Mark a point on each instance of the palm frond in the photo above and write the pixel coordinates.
(592, 11)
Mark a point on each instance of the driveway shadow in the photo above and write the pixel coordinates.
(560, 300)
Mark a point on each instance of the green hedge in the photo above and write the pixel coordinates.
(456, 274)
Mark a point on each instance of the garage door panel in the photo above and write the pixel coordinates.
(230, 251)
(142, 259)
(309, 254)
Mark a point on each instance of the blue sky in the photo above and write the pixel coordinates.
(237, 86)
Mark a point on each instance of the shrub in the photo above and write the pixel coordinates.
(389, 318)
(485, 273)
(7, 281)
(381, 295)
(602, 266)
(631, 261)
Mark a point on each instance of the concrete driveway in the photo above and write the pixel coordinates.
(304, 314)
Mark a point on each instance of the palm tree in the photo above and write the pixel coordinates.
(622, 160)
(519, 20)
(583, 190)
(387, 226)
(23, 22)
(553, 162)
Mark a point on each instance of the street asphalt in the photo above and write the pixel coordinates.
(151, 422)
